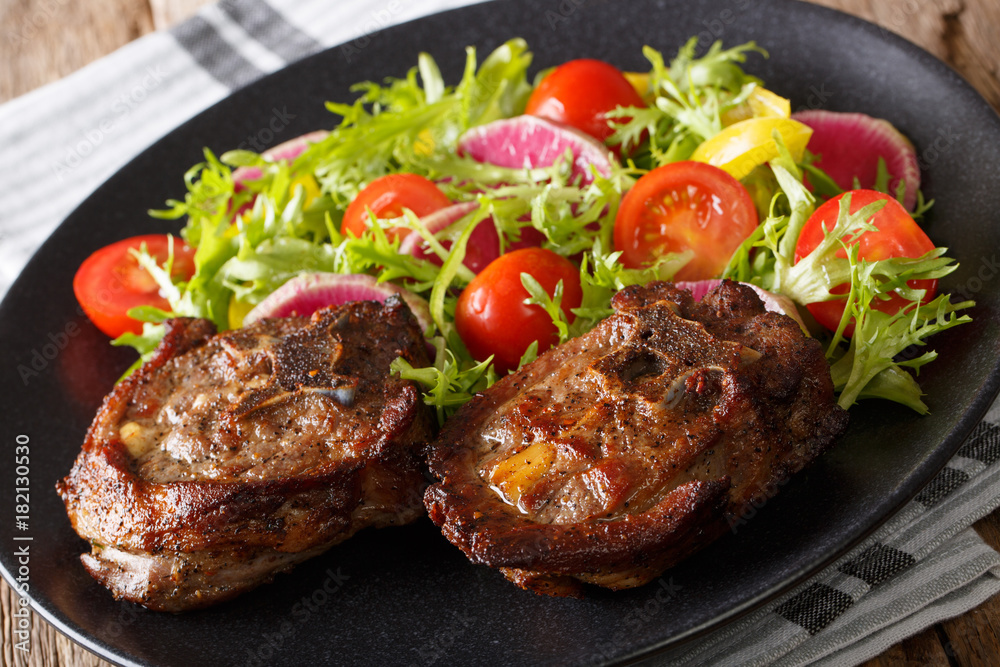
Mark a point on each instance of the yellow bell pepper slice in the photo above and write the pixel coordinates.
(308, 182)
(766, 104)
(745, 145)
(639, 81)
(237, 311)
(424, 145)
(761, 103)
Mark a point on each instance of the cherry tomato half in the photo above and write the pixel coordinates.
(898, 235)
(491, 316)
(685, 206)
(387, 196)
(580, 92)
(111, 281)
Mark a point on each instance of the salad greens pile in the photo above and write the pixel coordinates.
(692, 96)
(253, 235)
(866, 365)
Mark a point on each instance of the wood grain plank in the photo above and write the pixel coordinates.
(973, 637)
(170, 12)
(973, 48)
(921, 650)
(44, 40)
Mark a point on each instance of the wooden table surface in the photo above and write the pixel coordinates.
(67, 35)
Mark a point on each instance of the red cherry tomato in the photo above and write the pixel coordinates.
(111, 281)
(491, 316)
(579, 93)
(685, 206)
(898, 235)
(387, 196)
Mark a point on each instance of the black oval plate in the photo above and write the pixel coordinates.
(406, 595)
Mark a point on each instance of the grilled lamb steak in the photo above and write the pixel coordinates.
(613, 456)
(228, 458)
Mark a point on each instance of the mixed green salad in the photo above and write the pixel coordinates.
(694, 172)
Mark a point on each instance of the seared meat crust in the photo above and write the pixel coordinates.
(614, 456)
(227, 458)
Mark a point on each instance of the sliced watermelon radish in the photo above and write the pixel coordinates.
(850, 144)
(285, 152)
(306, 293)
(435, 222)
(776, 303)
(484, 243)
(525, 142)
(483, 246)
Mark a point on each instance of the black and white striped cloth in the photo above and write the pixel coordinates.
(925, 565)
(61, 141)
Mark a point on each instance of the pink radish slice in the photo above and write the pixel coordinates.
(484, 243)
(529, 141)
(306, 293)
(293, 148)
(483, 246)
(850, 144)
(286, 151)
(776, 303)
(435, 222)
(245, 174)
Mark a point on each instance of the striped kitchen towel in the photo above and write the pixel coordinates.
(62, 141)
(923, 566)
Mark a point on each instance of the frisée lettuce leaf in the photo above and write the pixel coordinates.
(866, 365)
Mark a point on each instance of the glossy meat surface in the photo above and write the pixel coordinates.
(617, 454)
(227, 458)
